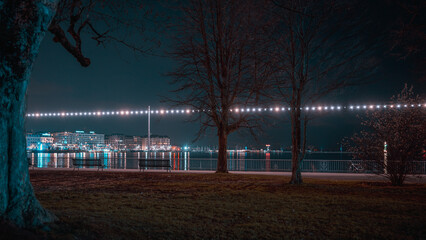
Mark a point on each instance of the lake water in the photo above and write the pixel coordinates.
(237, 160)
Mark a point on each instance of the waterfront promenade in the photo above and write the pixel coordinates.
(417, 179)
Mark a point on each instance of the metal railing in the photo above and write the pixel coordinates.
(268, 165)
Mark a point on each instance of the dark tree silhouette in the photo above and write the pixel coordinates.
(23, 25)
(221, 65)
(402, 127)
(318, 51)
(408, 34)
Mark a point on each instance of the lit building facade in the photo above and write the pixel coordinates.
(39, 141)
(158, 143)
(78, 140)
(115, 142)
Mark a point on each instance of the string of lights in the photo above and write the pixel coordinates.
(332, 108)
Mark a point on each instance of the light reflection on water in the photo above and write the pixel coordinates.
(237, 161)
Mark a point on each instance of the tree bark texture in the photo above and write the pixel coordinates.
(222, 163)
(296, 175)
(22, 27)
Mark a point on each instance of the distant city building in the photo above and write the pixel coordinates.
(133, 142)
(115, 141)
(158, 143)
(64, 138)
(90, 139)
(39, 141)
(78, 140)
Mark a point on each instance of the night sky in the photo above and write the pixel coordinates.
(118, 79)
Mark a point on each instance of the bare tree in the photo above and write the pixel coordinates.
(319, 51)
(23, 25)
(392, 139)
(104, 21)
(221, 65)
(408, 35)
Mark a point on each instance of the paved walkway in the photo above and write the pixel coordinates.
(326, 176)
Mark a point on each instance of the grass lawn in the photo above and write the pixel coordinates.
(113, 205)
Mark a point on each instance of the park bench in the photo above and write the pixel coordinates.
(91, 162)
(154, 163)
(30, 163)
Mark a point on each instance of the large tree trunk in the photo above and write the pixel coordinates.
(296, 176)
(222, 163)
(22, 27)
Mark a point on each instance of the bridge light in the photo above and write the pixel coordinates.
(378, 106)
(131, 112)
(326, 108)
(405, 105)
(338, 107)
(307, 108)
(332, 107)
(242, 109)
(254, 109)
(248, 110)
(259, 109)
(371, 106)
(398, 106)
(313, 108)
(236, 110)
(187, 111)
(277, 109)
(319, 108)
(351, 107)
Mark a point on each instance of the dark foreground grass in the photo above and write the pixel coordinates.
(107, 205)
